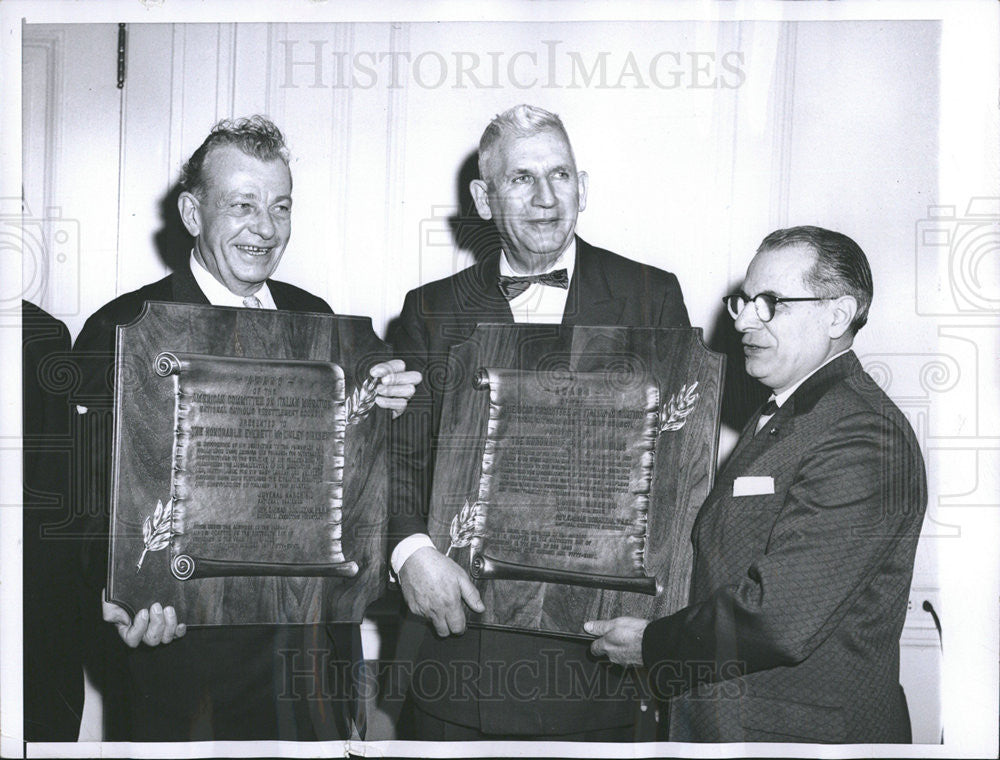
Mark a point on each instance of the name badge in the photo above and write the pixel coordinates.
(755, 485)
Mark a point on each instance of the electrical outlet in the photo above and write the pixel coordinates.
(919, 626)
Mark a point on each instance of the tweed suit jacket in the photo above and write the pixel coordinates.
(548, 694)
(799, 596)
(217, 682)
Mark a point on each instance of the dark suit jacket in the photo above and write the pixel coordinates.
(244, 682)
(53, 665)
(556, 686)
(798, 597)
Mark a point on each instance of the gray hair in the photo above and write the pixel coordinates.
(520, 121)
(254, 135)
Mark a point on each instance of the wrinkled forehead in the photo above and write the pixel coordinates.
(780, 271)
(545, 148)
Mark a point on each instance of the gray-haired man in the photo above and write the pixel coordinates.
(499, 683)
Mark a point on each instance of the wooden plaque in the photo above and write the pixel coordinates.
(571, 464)
(249, 474)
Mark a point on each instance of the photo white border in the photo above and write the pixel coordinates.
(972, 23)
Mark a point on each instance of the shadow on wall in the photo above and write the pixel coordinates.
(172, 241)
(471, 234)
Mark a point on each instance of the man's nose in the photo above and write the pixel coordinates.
(544, 196)
(747, 319)
(263, 224)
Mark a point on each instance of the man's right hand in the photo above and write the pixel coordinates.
(435, 587)
(156, 625)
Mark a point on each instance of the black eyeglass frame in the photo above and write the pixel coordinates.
(768, 299)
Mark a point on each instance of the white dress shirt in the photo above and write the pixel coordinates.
(219, 295)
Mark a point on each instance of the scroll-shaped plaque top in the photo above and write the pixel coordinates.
(565, 480)
(258, 469)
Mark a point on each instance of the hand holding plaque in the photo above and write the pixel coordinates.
(436, 588)
(153, 626)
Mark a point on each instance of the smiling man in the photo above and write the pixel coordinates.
(241, 682)
(500, 683)
(803, 551)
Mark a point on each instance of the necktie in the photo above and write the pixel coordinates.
(512, 287)
(252, 302)
(769, 409)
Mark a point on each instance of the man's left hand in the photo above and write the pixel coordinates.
(397, 386)
(620, 639)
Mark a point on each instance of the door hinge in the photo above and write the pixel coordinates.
(121, 56)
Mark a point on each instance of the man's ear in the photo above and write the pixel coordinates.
(480, 195)
(582, 183)
(189, 205)
(844, 309)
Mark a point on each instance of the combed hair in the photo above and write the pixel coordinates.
(841, 267)
(519, 121)
(254, 135)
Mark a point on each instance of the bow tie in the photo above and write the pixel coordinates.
(512, 287)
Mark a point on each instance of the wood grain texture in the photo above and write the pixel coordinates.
(682, 473)
(143, 451)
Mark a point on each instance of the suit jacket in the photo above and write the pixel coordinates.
(520, 683)
(798, 596)
(243, 682)
(53, 664)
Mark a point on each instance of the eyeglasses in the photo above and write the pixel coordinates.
(764, 304)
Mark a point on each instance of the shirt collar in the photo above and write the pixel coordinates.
(782, 397)
(219, 295)
(566, 260)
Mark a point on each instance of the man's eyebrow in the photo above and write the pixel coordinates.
(237, 195)
(517, 171)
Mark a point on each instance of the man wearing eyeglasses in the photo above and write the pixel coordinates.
(803, 551)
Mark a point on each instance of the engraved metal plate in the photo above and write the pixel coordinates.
(249, 476)
(571, 463)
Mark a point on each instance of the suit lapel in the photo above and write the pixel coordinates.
(185, 287)
(478, 296)
(590, 300)
(751, 447)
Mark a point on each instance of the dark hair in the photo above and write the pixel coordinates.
(841, 267)
(254, 135)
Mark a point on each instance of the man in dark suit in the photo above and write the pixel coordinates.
(503, 683)
(243, 682)
(53, 664)
(803, 551)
